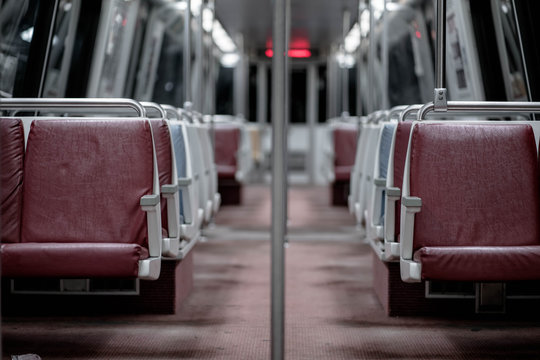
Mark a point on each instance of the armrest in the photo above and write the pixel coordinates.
(170, 244)
(184, 182)
(149, 269)
(392, 195)
(410, 270)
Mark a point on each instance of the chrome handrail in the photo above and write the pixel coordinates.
(154, 106)
(70, 103)
(482, 107)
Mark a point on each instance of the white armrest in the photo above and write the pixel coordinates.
(379, 186)
(410, 270)
(150, 268)
(391, 247)
(171, 244)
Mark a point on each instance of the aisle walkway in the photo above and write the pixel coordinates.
(331, 309)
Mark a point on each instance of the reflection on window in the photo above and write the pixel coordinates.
(17, 19)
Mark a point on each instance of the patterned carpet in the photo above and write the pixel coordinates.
(331, 309)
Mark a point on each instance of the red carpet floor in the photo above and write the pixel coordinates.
(331, 309)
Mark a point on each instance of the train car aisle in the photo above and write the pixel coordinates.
(331, 309)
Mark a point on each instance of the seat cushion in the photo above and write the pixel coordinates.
(494, 263)
(82, 260)
(11, 178)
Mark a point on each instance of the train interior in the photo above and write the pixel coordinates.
(247, 179)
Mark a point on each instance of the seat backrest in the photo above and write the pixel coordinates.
(385, 143)
(401, 142)
(11, 178)
(478, 184)
(162, 143)
(345, 139)
(226, 144)
(84, 179)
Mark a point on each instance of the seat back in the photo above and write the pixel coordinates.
(345, 137)
(478, 184)
(226, 145)
(401, 141)
(84, 179)
(368, 166)
(189, 200)
(162, 143)
(356, 173)
(381, 167)
(11, 178)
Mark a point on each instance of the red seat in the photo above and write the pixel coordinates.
(480, 210)
(345, 138)
(226, 145)
(11, 178)
(84, 184)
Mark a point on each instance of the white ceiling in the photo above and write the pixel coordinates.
(314, 23)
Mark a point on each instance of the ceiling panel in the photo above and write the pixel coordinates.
(317, 23)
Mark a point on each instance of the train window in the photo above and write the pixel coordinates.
(508, 45)
(224, 91)
(17, 23)
(160, 75)
(298, 100)
(62, 48)
(112, 50)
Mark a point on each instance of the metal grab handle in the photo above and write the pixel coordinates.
(154, 106)
(70, 103)
(409, 110)
(171, 110)
(396, 111)
(482, 107)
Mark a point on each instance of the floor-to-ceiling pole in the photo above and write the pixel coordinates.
(187, 53)
(279, 202)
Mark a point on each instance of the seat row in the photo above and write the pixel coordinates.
(85, 197)
(450, 200)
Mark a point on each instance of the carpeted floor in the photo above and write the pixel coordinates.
(331, 309)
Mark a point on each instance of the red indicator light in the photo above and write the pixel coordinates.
(299, 53)
(418, 35)
(293, 53)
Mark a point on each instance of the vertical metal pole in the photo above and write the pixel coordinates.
(262, 89)
(187, 53)
(441, 44)
(345, 71)
(312, 106)
(359, 94)
(371, 60)
(523, 60)
(386, 101)
(440, 85)
(199, 95)
(279, 203)
(48, 50)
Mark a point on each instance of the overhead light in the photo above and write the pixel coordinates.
(352, 40)
(345, 60)
(196, 7)
(364, 23)
(222, 40)
(207, 19)
(229, 60)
